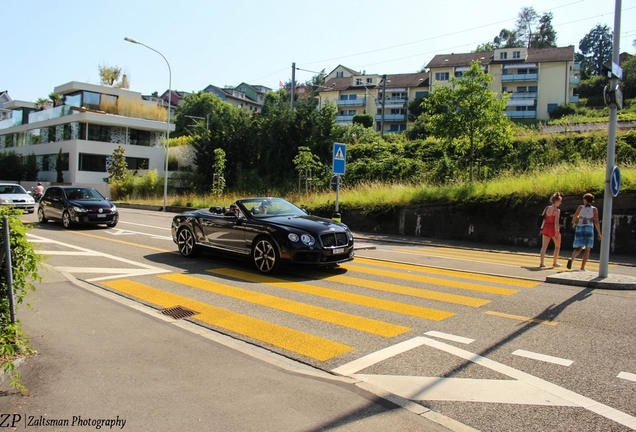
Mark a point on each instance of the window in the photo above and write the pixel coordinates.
(137, 163)
(503, 55)
(442, 76)
(516, 54)
(522, 89)
(533, 89)
(458, 74)
(398, 111)
(358, 81)
(140, 137)
(91, 100)
(369, 80)
(89, 162)
(339, 74)
(421, 94)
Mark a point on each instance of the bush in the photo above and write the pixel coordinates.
(562, 111)
(25, 263)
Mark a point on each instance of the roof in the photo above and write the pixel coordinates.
(455, 60)
(351, 71)
(419, 79)
(535, 55)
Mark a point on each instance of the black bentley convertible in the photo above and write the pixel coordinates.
(271, 231)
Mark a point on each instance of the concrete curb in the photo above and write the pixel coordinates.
(591, 280)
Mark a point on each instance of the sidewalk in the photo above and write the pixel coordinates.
(102, 357)
(577, 278)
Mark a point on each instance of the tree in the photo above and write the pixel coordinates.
(525, 25)
(596, 48)
(60, 164)
(31, 169)
(42, 103)
(485, 47)
(507, 39)
(468, 115)
(56, 99)
(109, 75)
(545, 36)
(306, 162)
(116, 165)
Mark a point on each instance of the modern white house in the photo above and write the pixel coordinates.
(93, 121)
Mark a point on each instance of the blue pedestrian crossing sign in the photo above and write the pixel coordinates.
(339, 158)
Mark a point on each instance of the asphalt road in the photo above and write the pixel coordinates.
(474, 335)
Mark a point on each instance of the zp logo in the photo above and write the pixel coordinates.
(10, 420)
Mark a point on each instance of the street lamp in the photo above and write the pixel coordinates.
(167, 144)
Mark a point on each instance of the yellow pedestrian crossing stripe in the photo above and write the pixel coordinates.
(319, 313)
(431, 280)
(279, 336)
(372, 302)
(450, 273)
(490, 257)
(397, 289)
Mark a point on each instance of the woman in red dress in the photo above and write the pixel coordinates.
(550, 230)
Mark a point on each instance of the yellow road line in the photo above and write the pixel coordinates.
(315, 312)
(491, 257)
(452, 273)
(521, 318)
(283, 337)
(397, 289)
(432, 280)
(372, 302)
(123, 242)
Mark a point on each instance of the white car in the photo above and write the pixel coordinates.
(14, 195)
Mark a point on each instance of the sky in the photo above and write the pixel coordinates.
(49, 43)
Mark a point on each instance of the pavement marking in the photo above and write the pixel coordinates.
(397, 289)
(501, 258)
(504, 280)
(521, 318)
(543, 357)
(140, 270)
(627, 376)
(122, 242)
(431, 280)
(357, 299)
(283, 337)
(450, 337)
(315, 312)
(376, 357)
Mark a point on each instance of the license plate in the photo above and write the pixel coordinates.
(338, 251)
(101, 215)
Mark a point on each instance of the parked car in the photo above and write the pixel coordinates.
(269, 231)
(76, 205)
(14, 195)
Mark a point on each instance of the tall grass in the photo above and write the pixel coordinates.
(568, 179)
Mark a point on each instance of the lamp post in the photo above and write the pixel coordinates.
(167, 144)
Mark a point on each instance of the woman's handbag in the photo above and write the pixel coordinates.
(541, 219)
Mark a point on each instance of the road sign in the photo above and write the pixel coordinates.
(335, 183)
(615, 181)
(339, 158)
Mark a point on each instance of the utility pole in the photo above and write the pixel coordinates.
(293, 85)
(383, 104)
(611, 150)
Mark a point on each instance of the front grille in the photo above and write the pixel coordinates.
(334, 239)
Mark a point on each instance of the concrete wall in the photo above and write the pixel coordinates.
(494, 225)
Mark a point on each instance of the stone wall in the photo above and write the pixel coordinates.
(495, 225)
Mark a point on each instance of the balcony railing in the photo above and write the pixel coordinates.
(10, 122)
(521, 114)
(574, 99)
(391, 117)
(47, 114)
(352, 102)
(520, 77)
(344, 118)
(523, 95)
(575, 80)
(577, 66)
(392, 101)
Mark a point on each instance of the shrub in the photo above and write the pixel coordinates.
(562, 111)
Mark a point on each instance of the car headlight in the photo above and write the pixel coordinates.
(350, 235)
(31, 201)
(5, 201)
(292, 237)
(113, 209)
(77, 209)
(307, 239)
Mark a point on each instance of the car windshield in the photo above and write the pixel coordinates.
(263, 208)
(11, 189)
(83, 194)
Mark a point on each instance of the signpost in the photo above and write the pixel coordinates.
(615, 181)
(338, 168)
